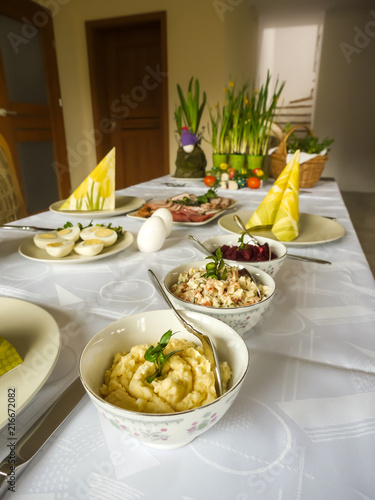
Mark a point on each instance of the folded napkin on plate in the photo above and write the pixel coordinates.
(9, 357)
(97, 191)
(279, 208)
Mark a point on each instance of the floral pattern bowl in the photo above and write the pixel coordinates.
(241, 319)
(168, 430)
(271, 267)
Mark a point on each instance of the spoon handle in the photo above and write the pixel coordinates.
(205, 249)
(310, 259)
(208, 348)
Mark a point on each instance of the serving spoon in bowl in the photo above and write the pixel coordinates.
(242, 226)
(209, 348)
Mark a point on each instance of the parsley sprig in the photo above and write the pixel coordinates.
(117, 229)
(199, 200)
(241, 242)
(156, 355)
(216, 269)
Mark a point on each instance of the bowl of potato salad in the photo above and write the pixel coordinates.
(149, 377)
(239, 295)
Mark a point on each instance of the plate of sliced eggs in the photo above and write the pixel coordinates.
(72, 245)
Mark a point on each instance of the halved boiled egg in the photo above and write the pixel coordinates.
(69, 233)
(89, 247)
(60, 248)
(42, 239)
(106, 235)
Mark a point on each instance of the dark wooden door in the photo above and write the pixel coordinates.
(31, 115)
(129, 90)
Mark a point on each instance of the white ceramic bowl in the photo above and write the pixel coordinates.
(241, 319)
(169, 430)
(271, 266)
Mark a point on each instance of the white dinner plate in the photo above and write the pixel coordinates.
(36, 337)
(314, 229)
(123, 204)
(215, 216)
(29, 250)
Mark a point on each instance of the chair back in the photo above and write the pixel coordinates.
(12, 204)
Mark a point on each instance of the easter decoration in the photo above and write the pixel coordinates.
(97, 191)
(191, 161)
(279, 209)
(241, 127)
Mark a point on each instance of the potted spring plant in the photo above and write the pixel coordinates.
(219, 135)
(191, 161)
(237, 143)
(259, 116)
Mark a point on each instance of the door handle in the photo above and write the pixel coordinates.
(5, 112)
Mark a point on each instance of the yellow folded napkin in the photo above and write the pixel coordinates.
(9, 357)
(97, 191)
(279, 208)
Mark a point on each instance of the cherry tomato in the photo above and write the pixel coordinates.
(210, 180)
(253, 182)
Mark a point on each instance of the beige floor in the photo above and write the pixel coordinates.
(361, 207)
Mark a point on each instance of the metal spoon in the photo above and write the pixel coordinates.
(209, 348)
(292, 256)
(241, 225)
(208, 252)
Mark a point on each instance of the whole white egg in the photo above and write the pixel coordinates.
(42, 239)
(69, 233)
(106, 235)
(89, 248)
(60, 248)
(152, 235)
(166, 216)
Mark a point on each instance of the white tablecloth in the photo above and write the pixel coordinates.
(303, 424)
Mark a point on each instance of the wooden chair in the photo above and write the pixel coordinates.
(12, 204)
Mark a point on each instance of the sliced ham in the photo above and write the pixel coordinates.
(186, 213)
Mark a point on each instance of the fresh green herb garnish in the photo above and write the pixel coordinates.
(117, 229)
(241, 242)
(216, 269)
(199, 200)
(155, 355)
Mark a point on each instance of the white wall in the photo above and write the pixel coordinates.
(345, 104)
(290, 52)
(344, 99)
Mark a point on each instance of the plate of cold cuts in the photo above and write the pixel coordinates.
(188, 209)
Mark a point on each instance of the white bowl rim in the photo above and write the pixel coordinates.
(134, 414)
(260, 238)
(253, 270)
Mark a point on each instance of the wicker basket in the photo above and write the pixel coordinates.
(310, 171)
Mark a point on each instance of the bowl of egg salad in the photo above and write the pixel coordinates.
(149, 378)
(237, 294)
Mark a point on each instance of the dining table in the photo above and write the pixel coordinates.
(303, 424)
